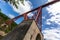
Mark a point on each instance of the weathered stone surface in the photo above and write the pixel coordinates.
(19, 32)
(27, 30)
(33, 33)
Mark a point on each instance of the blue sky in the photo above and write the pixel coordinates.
(7, 9)
(50, 17)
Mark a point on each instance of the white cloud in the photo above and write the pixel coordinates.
(49, 23)
(43, 17)
(50, 0)
(23, 8)
(52, 34)
(30, 14)
(54, 11)
(11, 16)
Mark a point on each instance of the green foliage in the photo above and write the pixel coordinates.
(22, 1)
(10, 27)
(4, 16)
(14, 2)
(5, 29)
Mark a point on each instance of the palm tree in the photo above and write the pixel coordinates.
(14, 2)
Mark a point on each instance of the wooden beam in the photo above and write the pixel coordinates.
(50, 3)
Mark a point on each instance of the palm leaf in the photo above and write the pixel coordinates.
(14, 2)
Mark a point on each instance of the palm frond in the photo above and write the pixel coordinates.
(14, 2)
